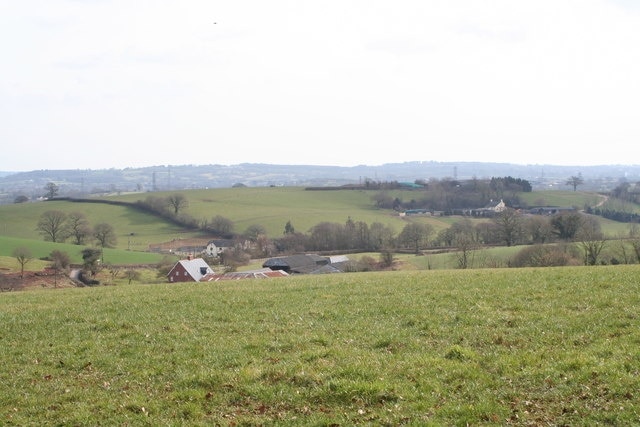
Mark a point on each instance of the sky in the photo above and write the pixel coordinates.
(93, 84)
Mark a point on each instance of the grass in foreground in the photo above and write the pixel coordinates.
(546, 346)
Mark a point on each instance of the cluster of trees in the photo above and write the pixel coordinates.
(58, 226)
(61, 264)
(449, 194)
(508, 228)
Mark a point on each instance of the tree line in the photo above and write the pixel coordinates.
(449, 194)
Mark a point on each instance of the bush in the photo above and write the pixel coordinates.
(545, 256)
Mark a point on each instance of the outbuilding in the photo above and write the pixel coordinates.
(189, 270)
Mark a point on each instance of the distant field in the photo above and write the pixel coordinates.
(41, 249)
(555, 346)
(576, 199)
(20, 220)
(270, 207)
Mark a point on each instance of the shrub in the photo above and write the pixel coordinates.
(545, 256)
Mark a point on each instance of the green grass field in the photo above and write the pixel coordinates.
(556, 346)
(272, 207)
(578, 199)
(41, 249)
(269, 207)
(20, 220)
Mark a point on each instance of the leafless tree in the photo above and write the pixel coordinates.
(221, 224)
(52, 225)
(78, 227)
(416, 235)
(24, 256)
(114, 271)
(591, 239)
(509, 223)
(105, 236)
(465, 245)
(539, 229)
(132, 274)
(177, 202)
(575, 180)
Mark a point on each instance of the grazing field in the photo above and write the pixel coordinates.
(20, 220)
(40, 249)
(272, 207)
(577, 199)
(556, 346)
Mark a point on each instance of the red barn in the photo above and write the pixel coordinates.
(189, 270)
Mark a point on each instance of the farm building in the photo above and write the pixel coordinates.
(189, 270)
(216, 247)
(550, 210)
(265, 273)
(302, 264)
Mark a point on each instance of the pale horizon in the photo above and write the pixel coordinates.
(116, 84)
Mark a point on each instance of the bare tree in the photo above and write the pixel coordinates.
(539, 229)
(465, 245)
(132, 274)
(105, 236)
(177, 201)
(78, 227)
(509, 224)
(575, 180)
(114, 271)
(24, 256)
(381, 236)
(221, 224)
(592, 240)
(52, 225)
(415, 235)
(634, 237)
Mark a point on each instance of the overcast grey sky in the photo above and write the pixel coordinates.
(129, 83)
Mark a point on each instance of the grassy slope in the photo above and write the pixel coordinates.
(40, 249)
(576, 199)
(269, 207)
(272, 207)
(524, 347)
(21, 221)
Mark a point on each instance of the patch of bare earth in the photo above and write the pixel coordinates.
(34, 280)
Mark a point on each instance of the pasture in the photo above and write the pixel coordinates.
(272, 207)
(41, 249)
(555, 346)
(135, 230)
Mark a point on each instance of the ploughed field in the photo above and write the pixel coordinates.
(503, 346)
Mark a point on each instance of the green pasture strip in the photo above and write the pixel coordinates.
(10, 264)
(41, 249)
(481, 258)
(135, 230)
(272, 207)
(557, 346)
(576, 199)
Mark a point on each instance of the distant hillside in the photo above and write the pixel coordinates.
(87, 181)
